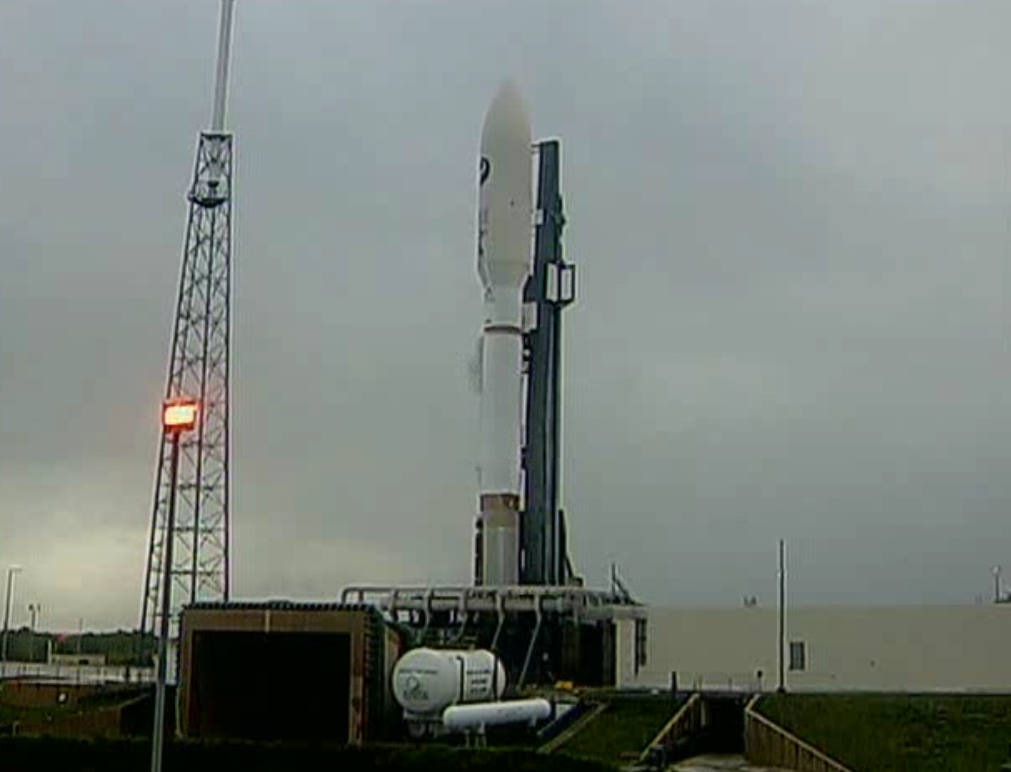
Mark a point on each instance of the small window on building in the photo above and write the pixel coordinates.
(640, 644)
(798, 655)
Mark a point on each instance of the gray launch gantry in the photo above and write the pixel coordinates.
(550, 289)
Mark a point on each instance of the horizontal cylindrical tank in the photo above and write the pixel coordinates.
(461, 717)
(427, 681)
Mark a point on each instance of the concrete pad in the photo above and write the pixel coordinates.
(720, 764)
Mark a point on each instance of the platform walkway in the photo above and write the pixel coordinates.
(720, 763)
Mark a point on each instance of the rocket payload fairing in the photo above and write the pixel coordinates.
(505, 202)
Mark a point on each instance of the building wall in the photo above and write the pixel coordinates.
(628, 665)
(888, 648)
(626, 673)
(389, 711)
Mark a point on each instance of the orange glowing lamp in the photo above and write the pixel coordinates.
(179, 415)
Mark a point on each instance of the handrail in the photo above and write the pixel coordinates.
(552, 745)
(662, 735)
(827, 762)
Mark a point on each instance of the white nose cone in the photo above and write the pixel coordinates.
(505, 199)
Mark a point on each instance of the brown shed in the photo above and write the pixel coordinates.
(286, 671)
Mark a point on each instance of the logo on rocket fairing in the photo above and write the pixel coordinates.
(482, 226)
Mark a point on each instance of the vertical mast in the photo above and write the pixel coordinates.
(200, 368)
(224, 57)
(781, 640)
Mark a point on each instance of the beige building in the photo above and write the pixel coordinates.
(874, 648)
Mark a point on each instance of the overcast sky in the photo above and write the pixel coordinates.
(791, 226)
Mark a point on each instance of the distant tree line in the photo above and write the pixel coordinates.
(123, 647)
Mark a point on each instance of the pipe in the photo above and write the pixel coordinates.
(500, 610)
(533, 641)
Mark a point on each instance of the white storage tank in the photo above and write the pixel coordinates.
(483, 714)
(427, 681)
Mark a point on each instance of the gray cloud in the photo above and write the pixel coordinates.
(790, 221)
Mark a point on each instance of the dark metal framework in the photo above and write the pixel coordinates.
(199, 367)
(551, 288)
(542, 634)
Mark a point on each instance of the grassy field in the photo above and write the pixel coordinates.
(9, 714)
(76, 756)
(51, 713)
(869, 733)
(626, 726)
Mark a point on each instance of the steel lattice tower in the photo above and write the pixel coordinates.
(199, 367)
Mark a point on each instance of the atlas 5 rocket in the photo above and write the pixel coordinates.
(503, 264)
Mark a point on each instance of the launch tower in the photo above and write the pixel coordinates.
(199, 367)
(549, 290)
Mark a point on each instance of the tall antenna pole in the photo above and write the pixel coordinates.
(224, 59)
(199, 368)
(782, 616)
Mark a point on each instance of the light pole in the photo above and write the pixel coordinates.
(178, 416)
(11, 573)
(996, 584)
(781, 642)
(35, 610)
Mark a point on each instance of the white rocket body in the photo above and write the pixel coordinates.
(503, 264)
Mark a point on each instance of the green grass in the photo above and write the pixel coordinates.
(10, 713)
(625, 726)
(869, 733)
(122, 756)
(47, 714)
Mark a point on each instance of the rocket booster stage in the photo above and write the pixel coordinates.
(503, 264)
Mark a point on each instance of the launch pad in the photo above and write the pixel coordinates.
(527, 608)
(527, 605)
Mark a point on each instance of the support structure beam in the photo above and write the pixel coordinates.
(548, 292)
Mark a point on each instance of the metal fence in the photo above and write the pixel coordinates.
(736, 683)
(78, 673)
